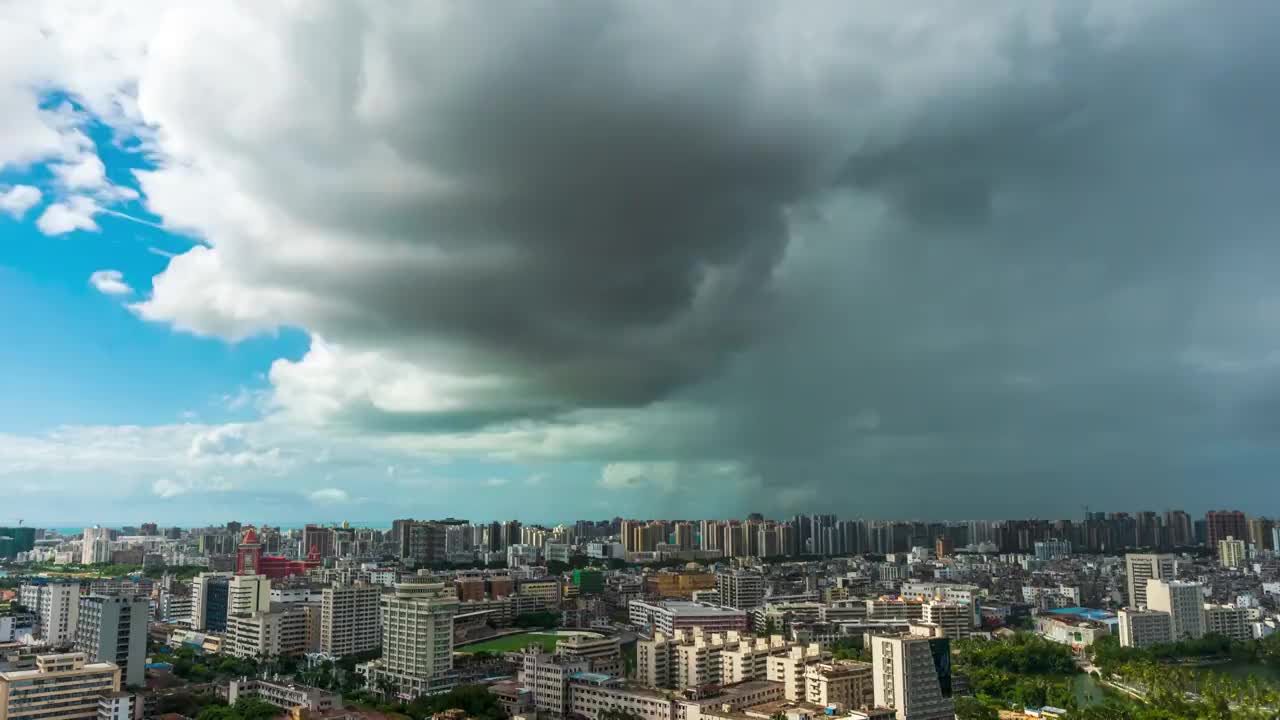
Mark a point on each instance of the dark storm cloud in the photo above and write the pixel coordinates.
(1012, 244)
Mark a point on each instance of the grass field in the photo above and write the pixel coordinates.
(511, 643)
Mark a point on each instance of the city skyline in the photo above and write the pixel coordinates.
(596, 264)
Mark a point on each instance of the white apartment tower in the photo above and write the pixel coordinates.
(58, 607)
(1140, 567)
(417, 639)
(912, 676)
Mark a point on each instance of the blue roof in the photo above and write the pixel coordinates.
(1088, 613)
(590, 676)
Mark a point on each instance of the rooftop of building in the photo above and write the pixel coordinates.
(1085, 613)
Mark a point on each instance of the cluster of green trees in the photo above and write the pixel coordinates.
(1025, 669)
(193, 666)
(1109, 656)
(1021, 670)
(244, 709)
(339, 676)
(187, 704)
(475, 700)
(850, 649)
(1172, 692)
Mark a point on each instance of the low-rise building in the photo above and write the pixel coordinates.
(1228, 621)
(603, 654)
(667, 616)
(847, 684)
(1144, 628)
(287, 696)
(61, 687)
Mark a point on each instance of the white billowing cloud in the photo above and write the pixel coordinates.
(329, 496)
(17, 200)
(75, 213)
(169, 487)
(669, 477)
(331, 384)
(109, 282)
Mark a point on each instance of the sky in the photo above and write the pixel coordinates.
(320, 261)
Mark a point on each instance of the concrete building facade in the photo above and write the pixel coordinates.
(113, 629)
(61, 687)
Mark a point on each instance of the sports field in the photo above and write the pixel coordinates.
(511, 643)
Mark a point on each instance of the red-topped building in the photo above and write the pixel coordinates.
(251, 561)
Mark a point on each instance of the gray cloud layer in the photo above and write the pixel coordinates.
(997, 246)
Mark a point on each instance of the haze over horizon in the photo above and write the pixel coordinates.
(342, 260)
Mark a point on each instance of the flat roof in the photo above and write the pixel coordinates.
(1084, 612)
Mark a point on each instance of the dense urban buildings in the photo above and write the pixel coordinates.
(737, 613)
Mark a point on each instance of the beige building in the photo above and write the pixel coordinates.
(848, 684)
(286, 696)
(417, 639)
(603, 654)
(282, 630)
(1183, 601)
(248, 594)
(790, 668)
(1144, 628)
(895, 608)
(62, 687)
(1231, 553)
(350, 619)
(1140, 567)
(695, 658)
(954, 619)
(908, 677)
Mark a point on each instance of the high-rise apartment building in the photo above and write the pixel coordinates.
(209, 595)
(113, 629)
(1232, 552)
(417, 639)
(1184, 601)
(14, 540)
(95, 546)
(912, 676)
(61, 687)
(1221, 523)
(423, 542)
(317, 540)
(57, 605)
(739, 589)
(1178, 528)
(684, 535)
(1260, 533)
(1142, 567)
(351, 619)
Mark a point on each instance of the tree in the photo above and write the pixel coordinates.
(970, 708)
